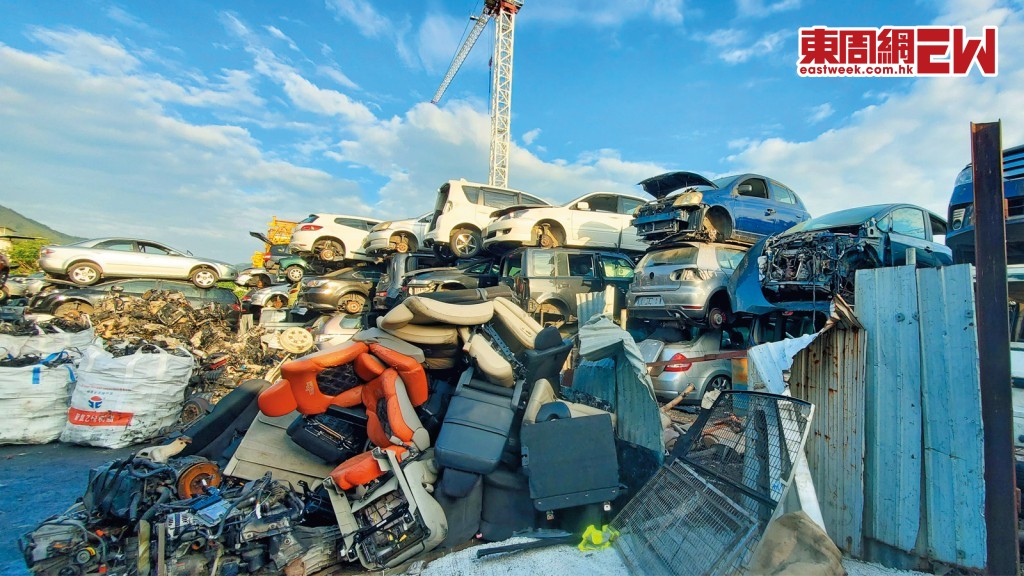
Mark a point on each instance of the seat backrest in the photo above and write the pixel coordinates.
(515, 327)
(391, 418)
(298, 388)
(424, 311)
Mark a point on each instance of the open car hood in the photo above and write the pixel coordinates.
(667, 183)
(261, 237)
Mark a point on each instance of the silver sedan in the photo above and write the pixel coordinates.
(704, 362)
(86, 262)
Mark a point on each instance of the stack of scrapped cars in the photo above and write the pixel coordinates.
(444, 423)
(699, 231)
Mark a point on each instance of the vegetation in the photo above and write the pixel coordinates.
(24, 255)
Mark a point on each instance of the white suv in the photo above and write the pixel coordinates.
(330, 237)
(464, 209)
(597, 220)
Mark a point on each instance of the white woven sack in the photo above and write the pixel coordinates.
(124, 400)
(34, 402)
(45, 343)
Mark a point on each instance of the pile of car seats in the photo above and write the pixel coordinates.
(465, 434)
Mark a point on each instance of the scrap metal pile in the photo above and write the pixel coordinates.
(443, 424)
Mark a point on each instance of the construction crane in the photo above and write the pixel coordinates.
(503, 12)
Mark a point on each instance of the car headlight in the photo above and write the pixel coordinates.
(381, 226)
(315, 283)
(688, 199)
(966, 176)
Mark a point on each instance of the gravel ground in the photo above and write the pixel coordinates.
(858, 568)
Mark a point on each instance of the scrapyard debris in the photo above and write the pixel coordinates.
(181, 517)
(822, 263)
(166, 319)
(32, 328)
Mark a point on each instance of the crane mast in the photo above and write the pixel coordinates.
(503, 13)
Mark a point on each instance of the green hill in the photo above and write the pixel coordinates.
(28, 227)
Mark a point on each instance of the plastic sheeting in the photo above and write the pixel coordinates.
(614, 370)
(766, 362)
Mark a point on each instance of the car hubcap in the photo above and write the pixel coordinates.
(205, 278)
(464, 244)
(719, 383)
(84, 274)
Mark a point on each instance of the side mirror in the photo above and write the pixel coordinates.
(583, 205)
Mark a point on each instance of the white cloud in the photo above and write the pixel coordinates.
(93, 152)
(530, 136)
(605, 13)
(760, 9)
(820, 112)
(276, 33)
(121, 16)
(362, 14)
(764, 46)
(338, 76)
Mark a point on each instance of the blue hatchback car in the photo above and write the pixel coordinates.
(960, 237)
(742, 208)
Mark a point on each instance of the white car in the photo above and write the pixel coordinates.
(462, 212)
(86, 262)
(331, 237)
(398, 236)
(596, 220)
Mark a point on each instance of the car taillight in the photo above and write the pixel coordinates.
(236, 307)
(678, 363)
(45, 252)
(309, 228)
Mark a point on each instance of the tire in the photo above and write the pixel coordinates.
(548, 238)
(444, 253)
(294, 273)
(465, 243)
(72, 310)
(329, 250)
(204, 277)
(352, 303)
(84, 273)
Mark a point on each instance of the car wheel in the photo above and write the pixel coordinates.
(329, 250)
(277, 302)
(720, 383)
(401, 243)
(84, 273)
(193, 410)
(465, 243)
(717, 318)
(548, 238)
(352, 303)
(72, 310)
(294, 273)
(203, 278)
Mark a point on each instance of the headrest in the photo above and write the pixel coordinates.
(517, 323)
(368, 367)
(378, 336)
(423, 311)
(548, 338)
(425, 335)
(553, 411)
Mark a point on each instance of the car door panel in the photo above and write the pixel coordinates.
(753, 214)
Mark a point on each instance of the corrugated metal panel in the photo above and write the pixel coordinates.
(953, 435)
(595, 303)
(830, 375)
(887, 307)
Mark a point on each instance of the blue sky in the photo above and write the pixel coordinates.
(192, 122)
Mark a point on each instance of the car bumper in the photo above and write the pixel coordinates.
(299, 247)
(685, 302)
(668, 385)
(433, 237)
(509, 232)
(51, 265)
(376, 241)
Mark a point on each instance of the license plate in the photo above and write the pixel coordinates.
(650, 301)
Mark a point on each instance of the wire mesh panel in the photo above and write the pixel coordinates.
(705, 512)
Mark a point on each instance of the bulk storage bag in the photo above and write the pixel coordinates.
(34, 401)
(45, 343)
(120, 401)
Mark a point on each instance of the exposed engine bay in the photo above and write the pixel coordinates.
(813, 264)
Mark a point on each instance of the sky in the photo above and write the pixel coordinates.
(192, 122)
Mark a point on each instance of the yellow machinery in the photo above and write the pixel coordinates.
(278, 232)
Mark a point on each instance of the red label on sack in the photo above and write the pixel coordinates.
(87, 418)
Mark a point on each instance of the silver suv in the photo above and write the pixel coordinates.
(685, 282)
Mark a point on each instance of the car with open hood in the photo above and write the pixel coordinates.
(596, 220)
(87, 262)
(397, 235)
(817, 260)
(741, 208)
(279, 261)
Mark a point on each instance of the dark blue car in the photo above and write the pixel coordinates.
(742, 208)
(961, 210)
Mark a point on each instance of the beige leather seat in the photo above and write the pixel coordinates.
(424, 311)
(544, 393)
(440, 343)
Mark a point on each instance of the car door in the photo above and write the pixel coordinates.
(595, 221)
(908, 230)
(628, 239)
(117, 257)
(788, 211)
(161, 261)
(752, 207)
(616, 271)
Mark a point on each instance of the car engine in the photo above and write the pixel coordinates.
(819, 263)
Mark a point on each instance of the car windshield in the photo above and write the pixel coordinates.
(851, 217)
(681, 255)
